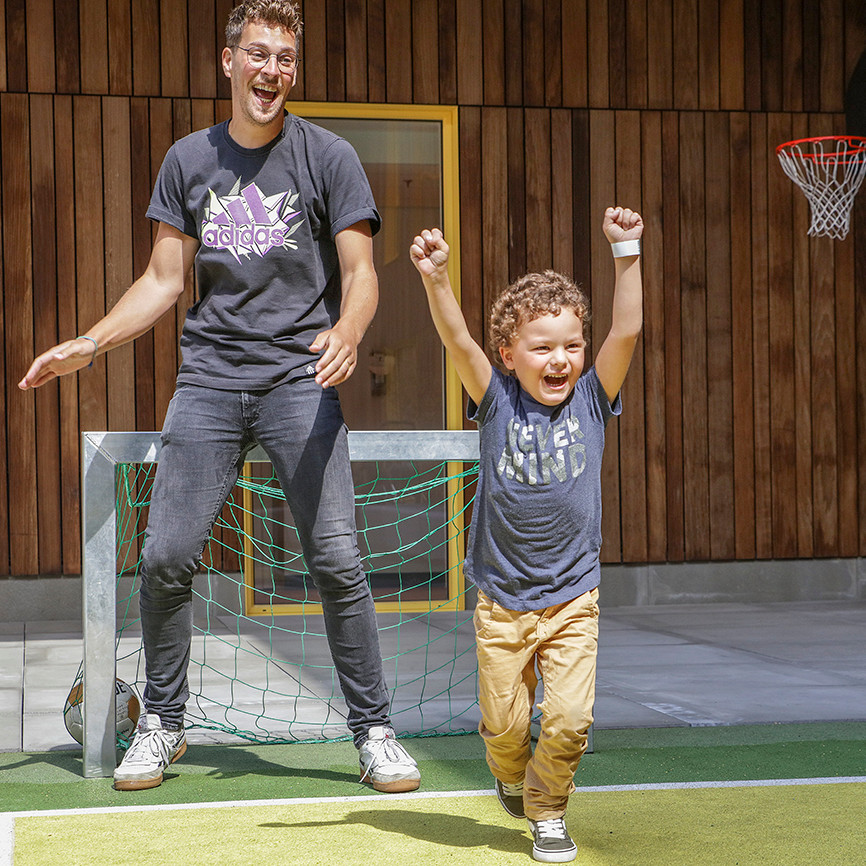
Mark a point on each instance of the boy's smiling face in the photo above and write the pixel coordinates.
(547, 356)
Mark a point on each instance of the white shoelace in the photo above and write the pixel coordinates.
(387, 751)
(512, 790)
(553, 828)
(149, 744)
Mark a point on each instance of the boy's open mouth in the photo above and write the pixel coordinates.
(555, 380)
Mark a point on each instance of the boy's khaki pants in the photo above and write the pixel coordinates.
(563, 642)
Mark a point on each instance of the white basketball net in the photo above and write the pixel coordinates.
(829, 170)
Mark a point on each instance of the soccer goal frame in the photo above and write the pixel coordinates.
(101, 454)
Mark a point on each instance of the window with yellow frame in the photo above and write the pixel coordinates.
(402, 382)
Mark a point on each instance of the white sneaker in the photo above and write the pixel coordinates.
(551, 842)
(386, 764)
(151, 751)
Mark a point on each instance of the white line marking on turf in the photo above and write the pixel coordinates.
(427, 795)
(7, 839)
(747, 783)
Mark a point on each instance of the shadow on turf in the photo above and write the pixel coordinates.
(232, 762)
(66, 759)
(219, 762)
(453, 831)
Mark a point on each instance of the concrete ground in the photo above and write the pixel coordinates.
(659, 666)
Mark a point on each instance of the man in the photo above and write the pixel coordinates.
(277, 216)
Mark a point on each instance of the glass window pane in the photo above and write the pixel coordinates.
(399, 384)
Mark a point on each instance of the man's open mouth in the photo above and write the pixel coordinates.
(265, 95)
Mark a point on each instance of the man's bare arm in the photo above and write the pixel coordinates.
(360, 285)
(154, 293)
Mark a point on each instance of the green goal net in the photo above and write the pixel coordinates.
(260, 667)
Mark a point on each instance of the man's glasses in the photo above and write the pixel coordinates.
(258, 58)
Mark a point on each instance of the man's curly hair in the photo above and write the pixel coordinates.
(529, 297)
(275, 13)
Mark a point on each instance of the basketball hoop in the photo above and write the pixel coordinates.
(829, 169)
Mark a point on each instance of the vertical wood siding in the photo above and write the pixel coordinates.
(744, 427)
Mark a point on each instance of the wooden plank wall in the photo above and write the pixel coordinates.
(744, 430)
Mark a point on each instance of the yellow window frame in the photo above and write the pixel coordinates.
(447, 116)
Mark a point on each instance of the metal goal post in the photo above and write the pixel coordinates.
(101, 453)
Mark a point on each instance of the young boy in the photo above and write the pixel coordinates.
(536, 531)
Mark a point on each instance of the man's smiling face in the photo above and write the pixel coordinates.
(259, 95)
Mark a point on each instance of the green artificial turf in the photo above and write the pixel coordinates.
(216, 773)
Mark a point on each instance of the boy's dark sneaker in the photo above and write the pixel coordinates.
(511, 797)
(551, 842)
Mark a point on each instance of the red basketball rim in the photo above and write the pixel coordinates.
(854, 152)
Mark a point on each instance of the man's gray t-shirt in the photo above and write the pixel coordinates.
(536, 526)
(267, 270)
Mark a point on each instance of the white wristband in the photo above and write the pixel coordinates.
(625, 248)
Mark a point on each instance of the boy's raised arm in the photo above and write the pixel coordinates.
(429, 254)
(614, 356)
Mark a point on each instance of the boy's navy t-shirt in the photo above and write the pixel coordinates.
(536, 527)
(267, 270)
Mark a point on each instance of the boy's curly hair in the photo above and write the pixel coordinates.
(276, 13)
(529, 297)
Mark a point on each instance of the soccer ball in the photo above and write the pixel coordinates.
(126, 704)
